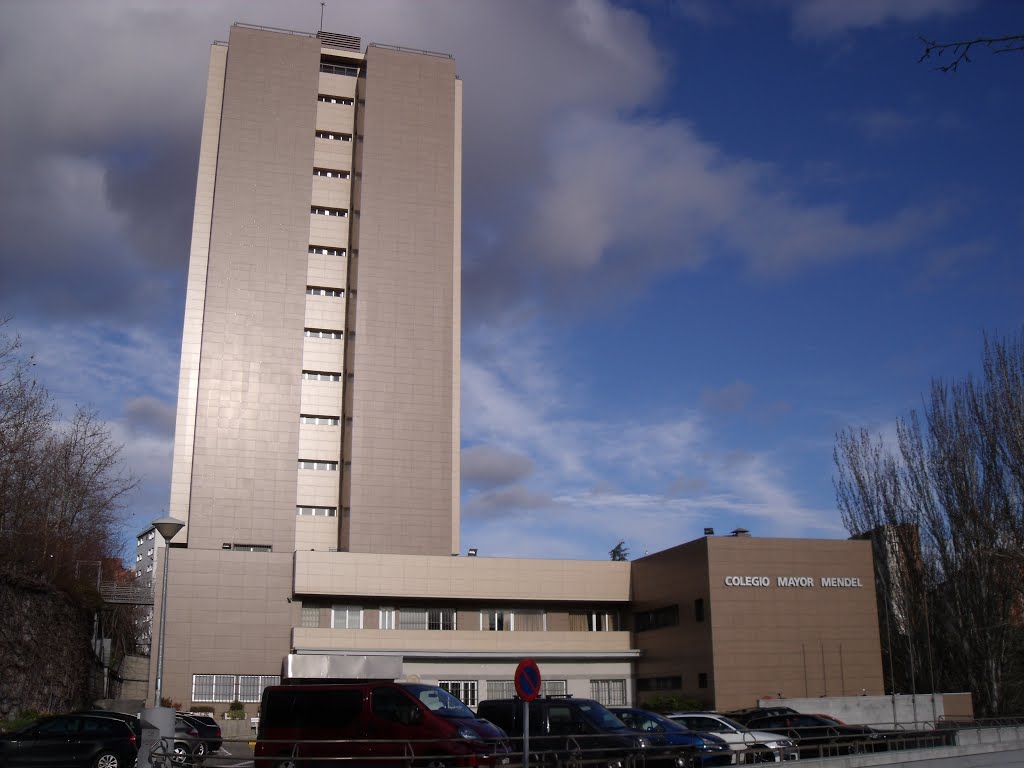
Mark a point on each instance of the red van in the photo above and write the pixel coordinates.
(373, 723)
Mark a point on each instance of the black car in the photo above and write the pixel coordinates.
(820, 737)
(571, 731)
(744, 716)
(188, 747)
(209, 732)
(95, 741)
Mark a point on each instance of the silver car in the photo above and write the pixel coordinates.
(749, 746)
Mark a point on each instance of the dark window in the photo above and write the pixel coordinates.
(670, 683)
(393, 704)
(313, 709)
(702, 680)
(656, 619)
(698, 609)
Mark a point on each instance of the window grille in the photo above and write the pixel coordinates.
(611, 693)
(465, 690)
(250, 687)
(213, 687)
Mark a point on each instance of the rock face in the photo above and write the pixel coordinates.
(45, 651)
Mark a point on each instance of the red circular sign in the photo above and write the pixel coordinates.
(527, 680)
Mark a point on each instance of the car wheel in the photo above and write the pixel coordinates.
(435, 763)
(108, 760)
(201, 750)
(758, 754)
(574, 755)
(181, 754)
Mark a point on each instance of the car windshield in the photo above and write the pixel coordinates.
(440, 702)
(600, 716)
(731, 723)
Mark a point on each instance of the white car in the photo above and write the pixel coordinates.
(749, 746)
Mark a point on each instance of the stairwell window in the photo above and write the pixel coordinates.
(316, 290)
(327, 99)
(330, 173)
(322, 333)
(326, 421)
(317, 210)
(325, 251)
(334, 136)
(321, 376)
(316, 511)
(325, 466)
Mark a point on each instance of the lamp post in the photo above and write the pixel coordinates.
(167, 527)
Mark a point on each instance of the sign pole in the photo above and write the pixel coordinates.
(527, 681)
(526, 734)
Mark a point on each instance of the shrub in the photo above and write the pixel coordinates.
(236, 711)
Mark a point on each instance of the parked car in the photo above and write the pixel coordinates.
(744, 716)
(94, 741)
(388, 723)
(570, 731)
(818, 737)
(187, 747)
(710, 749)
(209, 732)
(749, 746)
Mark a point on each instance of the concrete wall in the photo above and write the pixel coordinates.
(922, 710)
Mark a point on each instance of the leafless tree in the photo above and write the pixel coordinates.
(960, 50)
(944, 508)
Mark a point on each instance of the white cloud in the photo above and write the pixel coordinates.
(595, 482)
(826, 18)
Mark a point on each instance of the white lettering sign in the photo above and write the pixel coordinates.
(747, 581)
(839, 581)
(793, 581)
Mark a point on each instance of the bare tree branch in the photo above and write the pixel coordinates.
(960, 49)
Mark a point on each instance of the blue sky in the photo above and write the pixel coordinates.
(700, 238)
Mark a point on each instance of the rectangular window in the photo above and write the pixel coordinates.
(501, 689)
(321, 333)
(252, 548)
(593, 621)
(495, 620)
(324, 421)
(611, 693)
(656, 619)
(346, 617)
(323, 250)
(310, 616)
(338, 69)
(324, 466)
(702, 680)
(466, 690)
(321, 376)
(319, 210)
(528, 620)
(426, 618)
(698, 609)
(250, 687)
(670, 683)
(316, 511)
(330, 173)
(334, 136)
(326, 99)
(316, 290)
(387, 618)
(213, 687)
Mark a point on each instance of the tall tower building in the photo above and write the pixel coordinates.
(318, 403)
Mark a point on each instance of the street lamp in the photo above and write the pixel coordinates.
(167, 527)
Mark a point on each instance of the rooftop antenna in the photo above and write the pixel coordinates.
(322, 16)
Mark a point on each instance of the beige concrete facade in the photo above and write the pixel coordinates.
(770, 620)
(316, 458)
